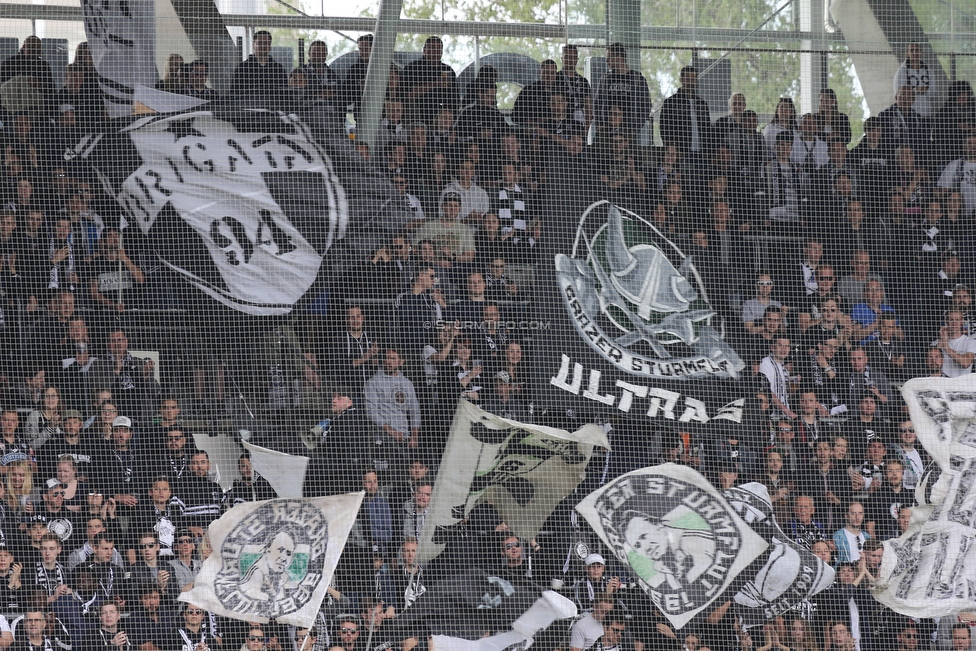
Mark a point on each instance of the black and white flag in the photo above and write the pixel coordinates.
(244, 206)
(122, 40)
(930, 571)
(786, 575)
(630, 328)
(273, 560)
(523, 470)
(684, 542)
(458, 612)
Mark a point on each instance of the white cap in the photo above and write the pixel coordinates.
(594, 558)
(122, 421)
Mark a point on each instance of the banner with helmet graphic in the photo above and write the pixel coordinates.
(632, 329)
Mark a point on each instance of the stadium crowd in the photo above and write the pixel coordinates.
(864, 283)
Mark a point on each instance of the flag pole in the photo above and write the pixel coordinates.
(372, 620)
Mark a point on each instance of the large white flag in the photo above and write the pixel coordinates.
(252, 199)
(678, 534)
(122, 40)
(273, 560)
(285, 472)
(786, 576)
(930, 571)
(523, 470)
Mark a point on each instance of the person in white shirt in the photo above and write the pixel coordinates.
(474, 199)
(958, 349)
(960, 176)
(915, 74)
(589, 628)
(852, 537)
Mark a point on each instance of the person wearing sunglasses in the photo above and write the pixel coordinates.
(306, 639)
(914, 459)
(148, 569)
(256, 640)
(614, 630)
(60, 520)
(194, 634)
(348, 635)
(185, 565)
(516, 559)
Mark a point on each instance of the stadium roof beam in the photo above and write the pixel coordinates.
(706, 35)
(889, 25)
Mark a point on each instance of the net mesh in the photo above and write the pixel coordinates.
(725, 247)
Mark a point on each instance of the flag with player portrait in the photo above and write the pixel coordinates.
(274, 560)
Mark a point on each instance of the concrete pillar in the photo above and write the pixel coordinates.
(624, 26)
(207, 34)
(811, 15)
(378, 72)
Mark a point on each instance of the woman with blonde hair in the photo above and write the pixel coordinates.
(20, 486)
(173, 81)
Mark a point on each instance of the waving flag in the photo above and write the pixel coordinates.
(458, 612)
(523, 470)
(273, 560)
(122, 40)
(786, 575)
(679, 535)
(285, 472)
(930, 571)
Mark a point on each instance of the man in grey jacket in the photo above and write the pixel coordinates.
(391, 402)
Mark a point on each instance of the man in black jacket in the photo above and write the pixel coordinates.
(260, 77)
(201, 499)
(351, 91)
(685, 122)
(430, 84)
(624, 88)
(251, 487)
(338, 460)
(29, 63)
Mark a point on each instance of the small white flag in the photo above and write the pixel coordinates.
(285, 472)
